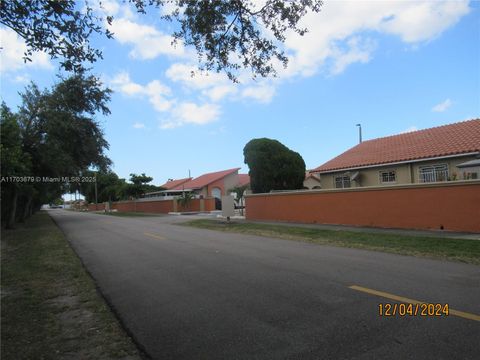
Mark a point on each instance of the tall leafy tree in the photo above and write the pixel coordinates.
(58, 126)
(14, 163)
(139, 185)
(273, 166)
(227, 34)
(107, 185)
(56, 136)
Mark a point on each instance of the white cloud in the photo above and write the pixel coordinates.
(217, 93)
(359, 50)
(147, 41)
(217, 86)
(342, 34)
(22, 79)
(443, 106)
(341, 21)
(214, 85)
(262, 93)
(191, 113)
(156, 92)
(122, 83)
(160, 96)
(113, 8)
(12, 52)
(191, 77)
(110, 7)
(169, 8)
(424, 20)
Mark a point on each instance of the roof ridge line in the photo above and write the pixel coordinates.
(419, 130)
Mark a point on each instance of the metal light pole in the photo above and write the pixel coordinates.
(359, 133)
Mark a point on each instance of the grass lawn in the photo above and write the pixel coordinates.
(129, 214)
(50, 306)
(462, 250)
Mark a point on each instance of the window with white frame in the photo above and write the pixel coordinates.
(433, 173)
(388, 176)
(342, 181)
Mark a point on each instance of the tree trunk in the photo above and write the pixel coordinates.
(27, 209)
(10, 224)
(30, 210)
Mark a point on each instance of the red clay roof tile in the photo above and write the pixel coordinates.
(243, 179)
(205, 179)
(174, 183)
(458, 138)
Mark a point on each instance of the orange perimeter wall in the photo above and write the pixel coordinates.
(96, 207)
(453, 206)
(163, 207)
(194, 205)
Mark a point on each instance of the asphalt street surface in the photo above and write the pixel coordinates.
(186, 293)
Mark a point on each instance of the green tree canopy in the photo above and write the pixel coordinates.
(140, 185)
(58, 126)
(273, 166)
(14, 163)
(109, 186)
(59, 28)
(227, 34)
(53, 135)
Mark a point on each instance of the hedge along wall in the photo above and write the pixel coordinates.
(158, 206)
(451, 206)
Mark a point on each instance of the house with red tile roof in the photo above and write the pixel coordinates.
(443, 153)
(214, 184)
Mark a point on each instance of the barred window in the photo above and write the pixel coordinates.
(342, 181)
(388, 176)
(433, 173)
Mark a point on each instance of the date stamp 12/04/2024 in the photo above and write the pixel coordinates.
(409, 309)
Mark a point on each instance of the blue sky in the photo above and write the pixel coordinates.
(391, 66)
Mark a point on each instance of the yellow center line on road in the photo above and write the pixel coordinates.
(402, 299)
(154, 236)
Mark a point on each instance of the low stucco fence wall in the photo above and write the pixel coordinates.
(158, 206)
(450, 206)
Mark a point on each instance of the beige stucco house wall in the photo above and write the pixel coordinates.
(312, 182)
(405, 173)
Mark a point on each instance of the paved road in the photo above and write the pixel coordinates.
(186, 293)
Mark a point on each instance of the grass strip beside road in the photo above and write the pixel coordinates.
(50, 305)
(462, 250)
(129, 214)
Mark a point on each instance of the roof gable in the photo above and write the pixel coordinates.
(174, 183)
(458, 138)
(309, 174)
(243, 179)
(205, 179)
